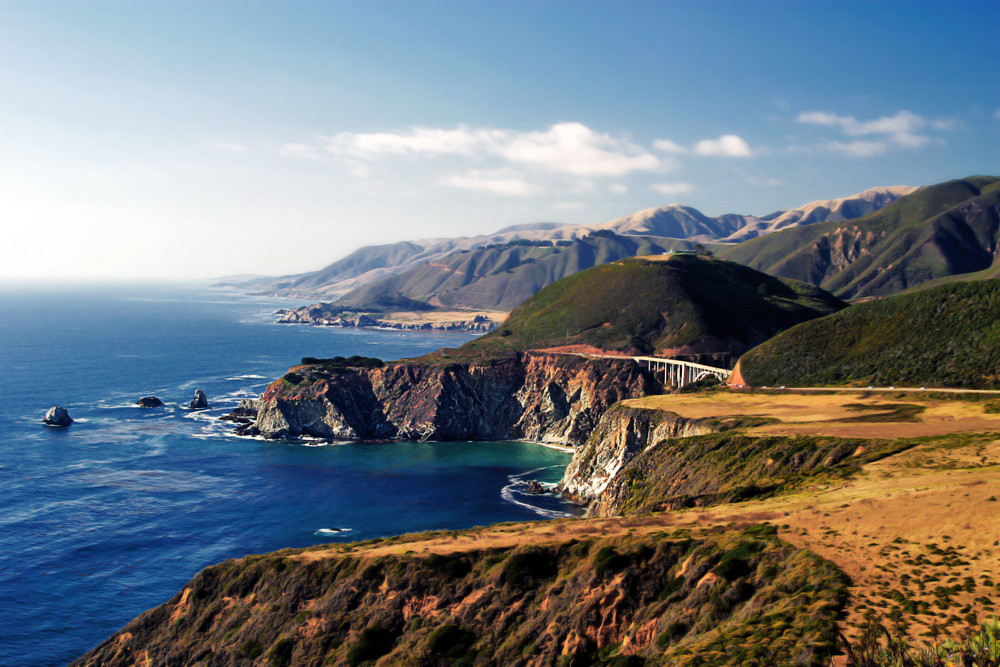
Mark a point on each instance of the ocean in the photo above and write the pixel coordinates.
(113, 515)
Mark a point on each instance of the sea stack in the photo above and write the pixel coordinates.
(200, 400)
(57, 416)
(149, 402)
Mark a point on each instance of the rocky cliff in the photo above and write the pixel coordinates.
(622, 434)
(657, 598)
(548, 398)
(642, 460)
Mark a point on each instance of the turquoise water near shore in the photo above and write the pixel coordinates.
(111, 516)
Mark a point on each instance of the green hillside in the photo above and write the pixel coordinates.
(938, 231)
(500, 276)
(682, 304)
(948, 336)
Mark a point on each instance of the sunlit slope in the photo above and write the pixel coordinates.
(679, 304)
(940, 230)
(948, 336)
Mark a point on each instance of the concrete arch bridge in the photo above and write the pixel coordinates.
(676, 373)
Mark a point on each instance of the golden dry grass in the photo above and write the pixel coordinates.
(438, 317)
(823, 414)
(904, 529)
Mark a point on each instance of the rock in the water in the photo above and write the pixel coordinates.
(200, 400)
(244, 413)
(57, 416)
(149, 402)
(535, 487)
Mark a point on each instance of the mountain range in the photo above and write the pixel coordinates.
(673, 226)
(942, 230)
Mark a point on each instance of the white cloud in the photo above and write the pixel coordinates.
(858, 147)
(668, 146)
(819, 118)
(673, 188)
(618, 188)
(728, 145)
(507, 186)
(416, 141)
(945, 124)
(569, 206)
(565, 148)
(573, 148)
(901, 129)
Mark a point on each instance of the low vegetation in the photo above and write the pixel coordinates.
(948, 336)
(725, 597)
(887, 645)
(689, 304)
(931, 234)
(734, 467)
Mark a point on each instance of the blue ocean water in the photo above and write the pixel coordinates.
(111, 516)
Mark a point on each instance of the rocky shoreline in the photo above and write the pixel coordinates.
(328, 315)
(546, 398)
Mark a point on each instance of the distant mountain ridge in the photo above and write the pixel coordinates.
(934, 233)
(371, 264)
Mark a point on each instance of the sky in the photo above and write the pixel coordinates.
(146, 140)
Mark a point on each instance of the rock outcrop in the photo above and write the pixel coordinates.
(548, 398)
(622, 434)
(330, 315)
(149, 402)
(57, 416)
(200, 401)
(244, 413)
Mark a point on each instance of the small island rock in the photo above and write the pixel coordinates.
(57, 416)
(149, 402)
(535, 487)
(200, 400)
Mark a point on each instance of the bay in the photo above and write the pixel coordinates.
(111, 516)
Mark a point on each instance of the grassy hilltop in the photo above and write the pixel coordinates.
(681, 304)
(948, 336)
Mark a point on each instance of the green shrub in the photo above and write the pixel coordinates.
(280, 654)
(451, 641)
(372, 643)
(524, 569)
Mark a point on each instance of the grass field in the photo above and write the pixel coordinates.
(917, 532)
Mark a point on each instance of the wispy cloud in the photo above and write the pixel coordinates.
(671, 189)
(904, 130)
(858, 147)
(996, 114)
(563, 148)
(507, 186)
(728, 145)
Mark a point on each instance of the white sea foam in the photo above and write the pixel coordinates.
(507, 493)
(332, 531)
(517, 483)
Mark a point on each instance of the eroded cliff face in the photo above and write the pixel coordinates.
(736, 598)
(548, 398)
(622, 434)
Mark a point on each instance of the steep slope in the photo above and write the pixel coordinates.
(940, 230)
(844, 208)
(659, 598)
(540, 397)
(498, 277)
(374, 263)
(948, 336)
(674, 305)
